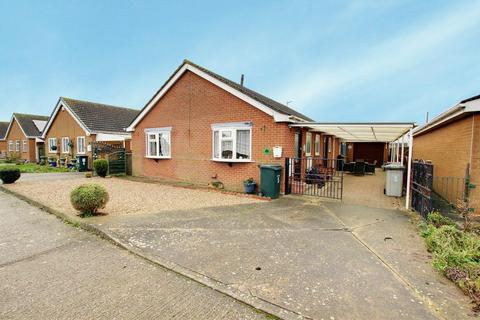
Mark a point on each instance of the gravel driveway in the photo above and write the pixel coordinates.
(126, 197)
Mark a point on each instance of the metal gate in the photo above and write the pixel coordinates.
(314, 176)
(117, 162)
(422, 186)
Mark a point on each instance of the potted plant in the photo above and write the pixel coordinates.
(52, 161)
(62, 161)
(249, 185)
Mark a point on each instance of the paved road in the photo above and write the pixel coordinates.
(49, 270)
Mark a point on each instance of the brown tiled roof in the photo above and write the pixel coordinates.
(3, 129)
(277, 106)
(28, 126)
(98, 117)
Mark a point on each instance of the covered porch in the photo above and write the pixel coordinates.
(357, 180)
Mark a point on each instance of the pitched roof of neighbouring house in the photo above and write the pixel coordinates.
(471, 99)
(96, 117)
(3, 129)
(237, 89)
(28, 125)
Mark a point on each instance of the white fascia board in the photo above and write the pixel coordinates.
(449, 114)
(278, 117)
(58, 107)
(111, 137)
(236, 125)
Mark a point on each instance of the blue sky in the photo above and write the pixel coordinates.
(362, 60)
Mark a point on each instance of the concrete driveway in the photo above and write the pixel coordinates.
(49, 270)
(320, 260)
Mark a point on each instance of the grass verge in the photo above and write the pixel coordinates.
(456, 254)
(35, 168)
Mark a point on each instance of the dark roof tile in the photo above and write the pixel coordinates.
(3, 129)
(26, 121)
(98, 117)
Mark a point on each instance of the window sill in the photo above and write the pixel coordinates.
(233, 160)
(151, 157)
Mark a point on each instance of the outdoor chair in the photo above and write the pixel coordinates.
(370, 167)
(359, 168)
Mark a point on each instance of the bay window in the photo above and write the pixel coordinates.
(158, 143)
(10, 145)
(17, 145)
(25, 146)
(232, 142)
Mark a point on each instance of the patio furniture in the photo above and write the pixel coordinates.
(350, 166)
(370, 167)
(359, 168)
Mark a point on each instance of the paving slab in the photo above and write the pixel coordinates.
(49, 270)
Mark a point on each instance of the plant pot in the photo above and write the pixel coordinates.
(249, 188)
(53, 164)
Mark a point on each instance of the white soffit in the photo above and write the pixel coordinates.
(360, 132)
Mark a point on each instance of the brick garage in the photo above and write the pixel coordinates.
(452, 142)
(187, 108)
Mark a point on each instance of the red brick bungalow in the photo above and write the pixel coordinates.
(203, 128)
(3, 142)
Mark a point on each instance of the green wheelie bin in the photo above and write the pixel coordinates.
(270, 177)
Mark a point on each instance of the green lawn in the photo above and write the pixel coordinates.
(34, 168)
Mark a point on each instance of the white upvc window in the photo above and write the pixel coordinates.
(51, 143)
(232, 142)
(158, 143)
(10, 145)
(25, 146)
(308, 144)
(81, 145)
(317, 144)
(17, 145)
(65, 144)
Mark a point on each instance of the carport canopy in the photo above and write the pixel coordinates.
(392, 132)
(360, 131)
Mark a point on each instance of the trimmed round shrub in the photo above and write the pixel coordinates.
(101, 167)
(9, 174)
(89, 198)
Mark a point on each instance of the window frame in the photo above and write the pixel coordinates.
(65, 147)
(50, 145)
(17, 145)
(24, 145)
(317, 144)
(308, 144)
(81, 144)
(10, 146)
(233, 128)
(156, 132)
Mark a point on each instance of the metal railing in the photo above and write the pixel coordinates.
(314, 176)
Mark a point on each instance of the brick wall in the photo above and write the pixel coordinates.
(449, 149)
(190, 107)
(16, 134)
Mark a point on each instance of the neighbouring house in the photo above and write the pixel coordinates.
(23, 136)
(203, 128)
(3, 142)
(451, 141)
(83, 128)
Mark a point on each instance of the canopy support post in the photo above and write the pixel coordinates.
(403, 147)
(409, 170)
